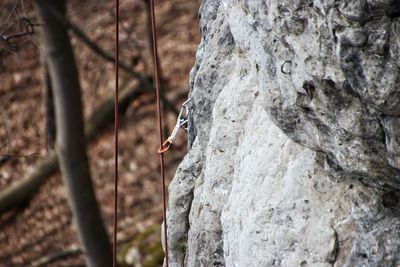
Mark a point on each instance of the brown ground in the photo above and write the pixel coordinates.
(43, 226)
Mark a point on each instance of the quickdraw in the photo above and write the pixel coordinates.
(182, 122)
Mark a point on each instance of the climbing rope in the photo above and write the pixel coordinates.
(160, 127)
(116, 133)
(182, 122)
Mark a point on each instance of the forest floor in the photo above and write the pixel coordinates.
(43, 227)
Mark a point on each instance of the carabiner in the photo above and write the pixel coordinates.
(164, 148)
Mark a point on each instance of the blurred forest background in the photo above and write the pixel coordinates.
(38, 231)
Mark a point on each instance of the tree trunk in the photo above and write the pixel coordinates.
(50, 127)
(70, 140)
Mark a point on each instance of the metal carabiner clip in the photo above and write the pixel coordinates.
(184, 115)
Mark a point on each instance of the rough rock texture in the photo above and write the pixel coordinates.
(294, 155)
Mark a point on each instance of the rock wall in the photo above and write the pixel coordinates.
(294, 151)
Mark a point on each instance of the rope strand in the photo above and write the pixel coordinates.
(116, 133)
(157, 81)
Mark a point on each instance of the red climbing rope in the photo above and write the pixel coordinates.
(157, 83)
(116, 133)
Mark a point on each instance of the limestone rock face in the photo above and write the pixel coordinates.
(294, 152)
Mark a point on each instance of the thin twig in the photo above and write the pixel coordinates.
(29, 29)
(93, 46)
(14, 9)
(7, 38)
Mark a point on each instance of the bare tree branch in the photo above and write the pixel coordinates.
(21, 191)
(45, 260)
(146, 81)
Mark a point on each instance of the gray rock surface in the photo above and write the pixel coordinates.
(294, 155)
